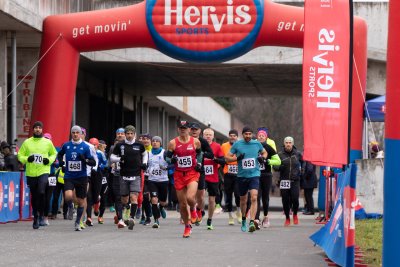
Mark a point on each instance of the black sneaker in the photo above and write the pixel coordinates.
(147, 221)
(35, 223)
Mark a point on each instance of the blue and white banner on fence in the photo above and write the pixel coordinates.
(25, 199)
(9, 196)
(337, 237)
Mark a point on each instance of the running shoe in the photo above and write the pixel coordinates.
(287, 223)
(121, 224)
(265, 222)
(70, 214)
(35, 224)
(89, 222)
(82, 225)
(231, 221)
(77, 227)
(142, 220)
(193, 216)
(257, 224)
(42, 221)
(156, 224)
(96, 208)
(239, 216)
(218, 209)
(100, 220)
(163, 213)
(252, 227)
(138, 213)
(199, 217)
(147, 221)
(112, 209)
(116, 219)
(295, 219)
(188, 231)
(131, 223)
(209, 225)
(244, 226)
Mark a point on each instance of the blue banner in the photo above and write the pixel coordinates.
(337, 237)
(9, 196)
(25, 199)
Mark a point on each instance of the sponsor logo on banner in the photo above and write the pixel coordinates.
(326, 66)
(1, 196)
(11, 195)
(204, 30)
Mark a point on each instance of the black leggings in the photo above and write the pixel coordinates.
(37, 186)
(290, 198)
(103, 194)
(93, 191)
(56, 196)
(47, 204)
(230, 187)
(263, 194)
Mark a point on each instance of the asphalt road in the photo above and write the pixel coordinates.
(105, 245)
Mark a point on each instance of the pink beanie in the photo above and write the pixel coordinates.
(262, 132)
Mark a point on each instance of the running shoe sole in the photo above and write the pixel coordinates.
(252, 228)
(156, 225)
(131, 223)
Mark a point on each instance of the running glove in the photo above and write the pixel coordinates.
(261, 159)
(198, 167)
(31, 158)
(240, 157)
(143, 166)
(46, 161)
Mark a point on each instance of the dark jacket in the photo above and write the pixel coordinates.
(309, 177)
(291, 162)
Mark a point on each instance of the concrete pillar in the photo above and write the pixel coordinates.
(3, 85)
(154, 127)
(145, 118)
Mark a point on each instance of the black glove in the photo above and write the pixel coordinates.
(219, 161)
(260, 159)
(82, 157)
(46, 161)
(31, 158)
(63, 168)
(143, 166)
(174, 160)
(240, 157)
(122, 159)
(198, 167)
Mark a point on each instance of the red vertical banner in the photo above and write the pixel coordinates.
(326, 81)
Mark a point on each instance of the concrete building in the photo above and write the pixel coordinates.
(148, 89)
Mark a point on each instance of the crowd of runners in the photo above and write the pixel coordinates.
(138, 176)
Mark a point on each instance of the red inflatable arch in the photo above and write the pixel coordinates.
(187, 30)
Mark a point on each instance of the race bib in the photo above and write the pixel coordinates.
(104, 180)
(156, 172)
(185, 162)
(74, 166)
(52, 181)
(262, 167)
(284, 184)
(249, 163)
(38, 159)
(129, 178)
(233, 169)
(209, 169)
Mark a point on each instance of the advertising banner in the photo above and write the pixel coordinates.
(9, 196)
(326, 87)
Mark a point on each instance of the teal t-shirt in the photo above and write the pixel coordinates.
(248, 167)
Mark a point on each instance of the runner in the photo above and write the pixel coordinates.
(246, 152)
(289, 180)
(144, 196)
(195, 132)
(158, 180)
(37, 153)
(211, 172)
(78, 158)
(114, 176)
(185, 152)
(133, 159)
(265, 178)
(52, 182)
(230, 184)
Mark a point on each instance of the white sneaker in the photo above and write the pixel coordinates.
(239, 216)
(121, 224)
(265, 222)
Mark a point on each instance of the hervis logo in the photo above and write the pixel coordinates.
(204, 30)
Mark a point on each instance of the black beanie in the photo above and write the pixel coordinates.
(246, 129)
(37, 123)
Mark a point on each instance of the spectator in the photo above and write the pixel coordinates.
(308, 183)
(10, 160)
